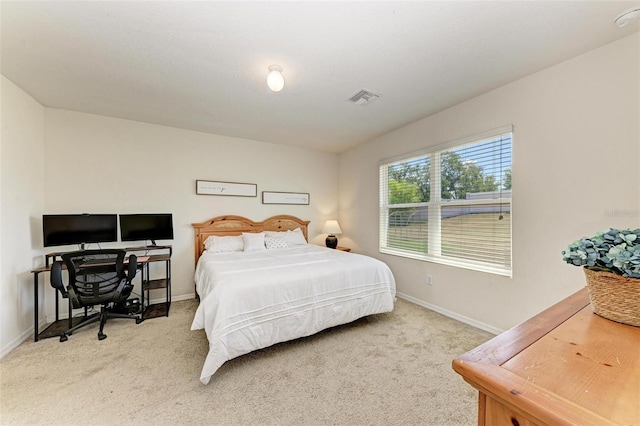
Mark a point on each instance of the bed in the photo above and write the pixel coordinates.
(280, 291)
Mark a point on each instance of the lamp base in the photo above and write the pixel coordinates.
(331, 241)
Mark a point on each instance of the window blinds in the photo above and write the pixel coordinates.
(451, 205)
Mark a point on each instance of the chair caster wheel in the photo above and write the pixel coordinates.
(63, 338)
(102, 336)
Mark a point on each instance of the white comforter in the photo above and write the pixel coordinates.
(252, 300)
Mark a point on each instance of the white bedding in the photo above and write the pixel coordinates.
(251, 300)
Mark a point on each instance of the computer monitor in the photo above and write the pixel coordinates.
(67, 229)
(148, 226)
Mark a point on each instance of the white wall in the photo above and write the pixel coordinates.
(576, 156)
(22, 195)
(97, 164)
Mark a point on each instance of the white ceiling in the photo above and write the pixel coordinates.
(203, 65)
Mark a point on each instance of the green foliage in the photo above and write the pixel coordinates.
(612, 250)
(459, 178)
(417, 174)
(401, 192)
(506, 185)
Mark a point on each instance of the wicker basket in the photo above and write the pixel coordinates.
(614, 297)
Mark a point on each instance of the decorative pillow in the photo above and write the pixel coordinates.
(217, 244)
(295, 238)
(253, 241)
(275, 242)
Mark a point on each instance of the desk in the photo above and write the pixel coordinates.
(149, 311)
(565, 366)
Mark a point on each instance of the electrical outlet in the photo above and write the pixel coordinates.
(429, 279)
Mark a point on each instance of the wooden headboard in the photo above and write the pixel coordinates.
(236, 225)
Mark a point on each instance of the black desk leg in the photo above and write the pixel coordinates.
(167, 300)
(35, 306)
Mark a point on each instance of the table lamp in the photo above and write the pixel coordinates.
(331, 227)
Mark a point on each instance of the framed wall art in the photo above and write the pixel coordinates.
(210, 187)
(269, 197)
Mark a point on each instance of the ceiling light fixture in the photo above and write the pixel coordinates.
(628, 16)
(275, 79)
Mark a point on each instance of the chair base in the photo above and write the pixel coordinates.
(101, 316)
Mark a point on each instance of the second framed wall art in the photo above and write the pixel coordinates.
(271, 197)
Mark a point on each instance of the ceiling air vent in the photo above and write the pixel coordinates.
(364, 97)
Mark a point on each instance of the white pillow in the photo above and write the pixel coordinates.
(295, 238)
(275, 234)
(253, 241)
(275, 242)
(217, 244)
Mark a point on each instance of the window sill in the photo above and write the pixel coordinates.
(449, 262)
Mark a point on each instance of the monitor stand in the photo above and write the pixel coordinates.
(153, 243)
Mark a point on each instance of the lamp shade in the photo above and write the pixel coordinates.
(331, 227)
(275, 79)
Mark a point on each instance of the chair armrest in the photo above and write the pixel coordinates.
(56, 278)
(132, 267)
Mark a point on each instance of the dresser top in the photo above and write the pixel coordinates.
(563, 366)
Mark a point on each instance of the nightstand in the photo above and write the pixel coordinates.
(343, 248)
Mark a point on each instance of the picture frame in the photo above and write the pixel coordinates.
(273, 197)
(234, 189)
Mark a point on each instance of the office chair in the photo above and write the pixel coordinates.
(96, 277)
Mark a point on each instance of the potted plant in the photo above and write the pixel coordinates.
(611, 263)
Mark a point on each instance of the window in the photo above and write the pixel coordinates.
(452, 204)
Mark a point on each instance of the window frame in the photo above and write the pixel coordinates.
(436, 203)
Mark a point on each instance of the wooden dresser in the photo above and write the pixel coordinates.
(565, 366)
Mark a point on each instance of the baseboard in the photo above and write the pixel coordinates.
(27, 334)
(451, 314)
(179, 298)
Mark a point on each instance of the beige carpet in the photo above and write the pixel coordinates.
(391, 369)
